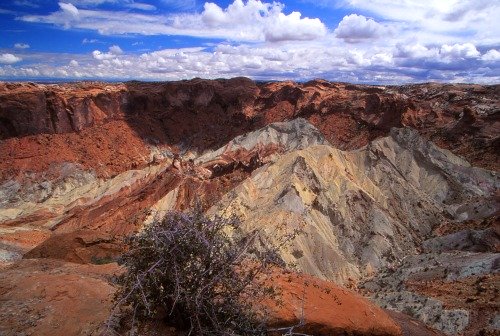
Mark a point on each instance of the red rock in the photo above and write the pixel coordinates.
(49, 297)
(323, 308)
(124, 118)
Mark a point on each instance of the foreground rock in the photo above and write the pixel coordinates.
(49, 297)
(318, 307)
(81, 213)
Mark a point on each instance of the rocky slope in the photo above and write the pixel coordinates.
(452, 283)
(411, 223)
(362, 210)
(381, 211)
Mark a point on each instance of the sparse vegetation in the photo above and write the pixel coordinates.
(201, 275)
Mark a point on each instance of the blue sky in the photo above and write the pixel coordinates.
(361, 41)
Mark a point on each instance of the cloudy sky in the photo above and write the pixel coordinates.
(361, 41)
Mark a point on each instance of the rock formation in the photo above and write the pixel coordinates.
(395, 191)
(362, 210)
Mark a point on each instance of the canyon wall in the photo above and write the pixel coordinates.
(394, 188)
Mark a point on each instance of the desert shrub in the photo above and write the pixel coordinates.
(203, 275)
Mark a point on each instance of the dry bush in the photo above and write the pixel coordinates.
(187, 269)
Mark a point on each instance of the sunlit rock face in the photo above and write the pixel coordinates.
(362, 210)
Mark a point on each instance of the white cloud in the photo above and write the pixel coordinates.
(491, 55)
(115, 50)
(461, 9)
(459, 51)
(21, 46)
(9, 59)
(404, 10)
(68, 8)
(356, 57)
(112, 53)
(355, 27)
(213, 15)
(255, 20)
(288, 61)
(404, 41)
(250, 21)
(437, 21)
(101, 56)
(141, 6)
(293, 27)
(464, 58)
(415, 51)
(329, 59)
(89, 41)
(66, 16)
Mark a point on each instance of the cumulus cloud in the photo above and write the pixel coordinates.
(293, 27)
(98, 55)
(287, 60)
(439, 62)
(459, 51)
(491, 55)
(21, 46)
(259, 21)
(262, 21)
(441, 21)
(393, 42)
(240, 21)
(355, 27)
(415, 51)
(9, 59)
(113, 51)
